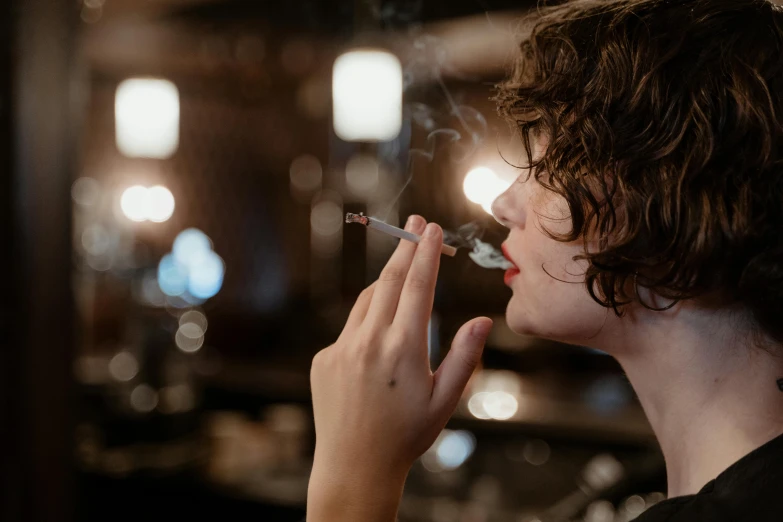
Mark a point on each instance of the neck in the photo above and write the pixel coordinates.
(709, 395)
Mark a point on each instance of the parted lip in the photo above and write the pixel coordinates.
(505, 254)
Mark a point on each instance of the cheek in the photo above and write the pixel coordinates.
(554, 214)
(544, 307)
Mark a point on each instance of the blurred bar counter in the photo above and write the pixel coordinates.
(529, 448)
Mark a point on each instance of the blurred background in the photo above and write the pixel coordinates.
(177, 176)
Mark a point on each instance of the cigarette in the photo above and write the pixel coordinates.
(393, 231)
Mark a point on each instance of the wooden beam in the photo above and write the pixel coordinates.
(37, 158)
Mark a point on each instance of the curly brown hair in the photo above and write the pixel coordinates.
(665, 126)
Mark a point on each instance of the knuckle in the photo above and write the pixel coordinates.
(364, 342)
(392, 275)
(318, 362)
(396, 339)
(367, 292)
(418, 283)
(430, 255)
(365, 295)
(319, 358)
(437, 237)
(468, 359)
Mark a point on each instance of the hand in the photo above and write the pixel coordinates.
(377, 405)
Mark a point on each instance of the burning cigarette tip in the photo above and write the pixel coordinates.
(357, 218)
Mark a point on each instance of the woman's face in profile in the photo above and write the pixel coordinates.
(541, 305)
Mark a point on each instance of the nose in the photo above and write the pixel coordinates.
(502, 209)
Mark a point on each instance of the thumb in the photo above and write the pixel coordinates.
(455, 370)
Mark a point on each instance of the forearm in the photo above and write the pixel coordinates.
(353, 496)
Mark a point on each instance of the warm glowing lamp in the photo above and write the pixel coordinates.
(367, 95)
(147, 118)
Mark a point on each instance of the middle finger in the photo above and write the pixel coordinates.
(387, 291)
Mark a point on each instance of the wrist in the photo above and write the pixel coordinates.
(366, 494)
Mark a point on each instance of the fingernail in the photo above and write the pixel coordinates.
(409, 223)
(481, 329)
(431, 230)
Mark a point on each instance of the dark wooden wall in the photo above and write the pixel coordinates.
(37, 88)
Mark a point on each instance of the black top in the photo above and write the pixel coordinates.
(750, 490)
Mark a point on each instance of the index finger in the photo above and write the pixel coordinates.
(418, 292)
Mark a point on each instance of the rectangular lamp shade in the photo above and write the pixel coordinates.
(146, 114)
(367, 95)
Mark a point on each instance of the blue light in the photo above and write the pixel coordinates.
(455, 447)
(190, 245)
(206, 275)
(172, 276)
(191, 300)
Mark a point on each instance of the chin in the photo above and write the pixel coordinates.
(574, 330)
(520, 322)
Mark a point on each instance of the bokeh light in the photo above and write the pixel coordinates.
(326, 218)
(653, 498)
(603, 471)
(497, 396)
(193, 272)
(140, 203)
(151, 294)
(454, 448)
(99, 263)
(500, 405)
(476, 405)
(172, 276)
(481, 185)
(196, 318)
(449, 451)
(190, 245)
(123, 366)
(634, 506)
(85, 191)
(184, 340)
(305, 174)
(600, 511)
(143, 398)
(147, 118)
(178, 398)
(362, 173)
(367, 96)
(135, 203)
(536, 452)
(205, 275)
(191, 330)
(497, 405)
(161, 204)
(95, 240)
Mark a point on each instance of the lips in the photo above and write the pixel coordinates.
(511, 272)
